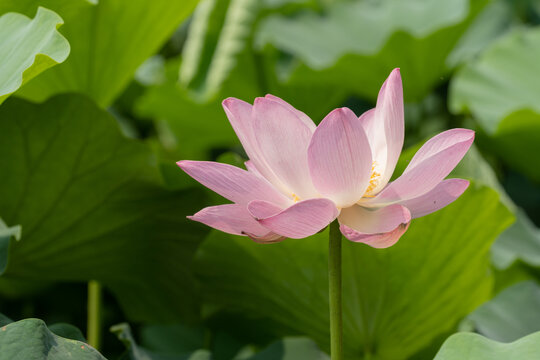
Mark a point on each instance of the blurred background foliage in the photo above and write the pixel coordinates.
(103, 105)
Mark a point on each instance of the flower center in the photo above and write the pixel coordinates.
(373, 181)
(295, 198)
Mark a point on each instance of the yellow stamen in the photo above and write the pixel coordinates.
(295, 198)
(374, 180)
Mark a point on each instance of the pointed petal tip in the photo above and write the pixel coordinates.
(232, 105)
(270, 99)
(182, 164)
(460, 135)
(458, 187)
(393, 77)
(227, 101)
(344, 111)
(462, 183)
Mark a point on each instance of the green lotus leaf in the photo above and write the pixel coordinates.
(93, 207)
(102, 64)
(287, 282)
(28, 47)
(30, 339)
(469, 346)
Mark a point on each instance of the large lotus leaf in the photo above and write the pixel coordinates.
(92, 206)
(503, 80)
(512, 314)
(6, 235)
(396, 300)
(28, 47)
(30, 339)
(109, 40)
(469, 346)
(356, 44)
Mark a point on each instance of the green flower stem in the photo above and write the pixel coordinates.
(334, 287)
(93, 325)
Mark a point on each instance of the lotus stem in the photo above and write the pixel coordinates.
(334, 287)
(93, 330)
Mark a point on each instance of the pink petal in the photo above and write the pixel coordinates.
(378, 241)
(250, 166)
(374, 221)
(385, 128)
(339, 158)
(306, 119)
(260, 209)
(429, 166)
(443, 194)
(240, 116)
(283, 139)
(235, 184)
(302, 219)
(232, 219)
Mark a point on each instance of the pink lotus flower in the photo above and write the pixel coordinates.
(300, 177)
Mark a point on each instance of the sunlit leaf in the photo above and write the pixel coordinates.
(396, 300)
(28, 47)
(92, 206)
(469, 346)
(109, 40)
